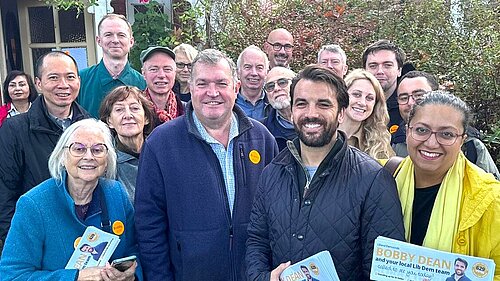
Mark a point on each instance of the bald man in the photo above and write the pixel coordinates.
(279, 48)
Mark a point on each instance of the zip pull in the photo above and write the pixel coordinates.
(306, 189)
(231, 237)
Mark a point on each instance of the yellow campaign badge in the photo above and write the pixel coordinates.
(77, 241)
(393, 129)
(254, 157)
(118, 228)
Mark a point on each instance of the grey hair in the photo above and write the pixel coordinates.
(57, 157)
(257, 49)
(334, 48)
(439, 97)
(212, 57)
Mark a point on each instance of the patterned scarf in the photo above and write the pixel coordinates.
(170, 111)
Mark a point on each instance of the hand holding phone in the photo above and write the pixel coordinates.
(123, 263)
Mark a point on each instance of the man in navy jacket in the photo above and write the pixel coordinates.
(320, 193)
(197, 178)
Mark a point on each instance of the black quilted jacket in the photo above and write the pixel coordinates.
(351, 201)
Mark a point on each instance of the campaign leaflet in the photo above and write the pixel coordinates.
(94, 249)
(396, 260)
(318, 267)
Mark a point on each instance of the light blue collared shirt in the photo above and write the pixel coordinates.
(256, 111)
(224, 155)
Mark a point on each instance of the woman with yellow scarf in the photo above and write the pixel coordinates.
(448, 203)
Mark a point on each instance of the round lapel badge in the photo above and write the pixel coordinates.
(118, 228)
(254, 157)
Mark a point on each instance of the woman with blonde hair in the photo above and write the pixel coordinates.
(184, 56)
(365, 119)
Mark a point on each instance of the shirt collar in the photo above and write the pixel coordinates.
(233, 130)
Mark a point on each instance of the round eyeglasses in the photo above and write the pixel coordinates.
(77, 149)
(442, 137)
(282, 83)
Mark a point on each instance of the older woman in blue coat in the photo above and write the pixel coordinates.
(50, 218)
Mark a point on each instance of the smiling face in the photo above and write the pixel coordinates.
(431, 157)
(280, 57)
(384, 66)
(315, 113)
(159, 72)
(252, 70)
(362, 99)
(59, 83)
(460, 268)
(85, 169)
(127, 118)
(18, 88)
(115, 38)
(213, 92)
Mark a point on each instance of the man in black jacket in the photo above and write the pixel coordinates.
(26, 140)
(319, 193)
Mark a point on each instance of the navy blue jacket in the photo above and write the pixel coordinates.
(184, 227)
(351, 200)
(282, 135)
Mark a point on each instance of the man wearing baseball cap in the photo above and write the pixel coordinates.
(158, 68)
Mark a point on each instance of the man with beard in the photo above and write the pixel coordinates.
(319, 193)
(459, 275)
(385, 61)
(279, 118)
(252, 68)
(279, 47)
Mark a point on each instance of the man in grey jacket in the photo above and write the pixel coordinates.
(319, 193)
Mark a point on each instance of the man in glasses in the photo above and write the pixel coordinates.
(279, 119)
(159, 69)
(279, 47)
(333, 57)
(412, 88)
(252, 67)
(28, 139)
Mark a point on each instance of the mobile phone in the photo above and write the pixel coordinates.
(123, 263)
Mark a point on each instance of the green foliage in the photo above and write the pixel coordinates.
(150, 28)
(80, 5)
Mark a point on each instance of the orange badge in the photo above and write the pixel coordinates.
(77, 240)
(118, 228)
(254, 157)
(393, 129)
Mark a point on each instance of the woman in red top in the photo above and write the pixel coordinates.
(18, 93)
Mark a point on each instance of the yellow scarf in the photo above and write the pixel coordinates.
(443, 223)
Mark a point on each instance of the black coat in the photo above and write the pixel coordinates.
(351, 201)
(26, 142)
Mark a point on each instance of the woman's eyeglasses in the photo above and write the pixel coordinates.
(77, 149)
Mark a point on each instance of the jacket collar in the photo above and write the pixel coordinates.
(39, 119)
(244, 122)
